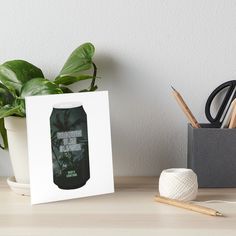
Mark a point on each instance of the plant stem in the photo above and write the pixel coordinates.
(94, 77)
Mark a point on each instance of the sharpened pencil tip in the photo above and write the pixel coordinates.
(219, 214)
(173, 88)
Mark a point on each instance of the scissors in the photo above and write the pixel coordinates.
(223, 108)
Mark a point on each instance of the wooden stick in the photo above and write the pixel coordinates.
(188, 206)
(185, 109)
(228, 116)
(232, 123)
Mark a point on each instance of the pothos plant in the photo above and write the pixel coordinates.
(19, 78)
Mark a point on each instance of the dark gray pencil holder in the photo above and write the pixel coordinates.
(212, 156)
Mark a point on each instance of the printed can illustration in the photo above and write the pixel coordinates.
(70, 147)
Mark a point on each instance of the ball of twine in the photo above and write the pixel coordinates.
(178, 183)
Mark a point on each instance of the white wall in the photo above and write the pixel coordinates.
(143, 47)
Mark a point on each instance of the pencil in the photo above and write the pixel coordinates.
(232, 123)
(188, 206)
(185, 109)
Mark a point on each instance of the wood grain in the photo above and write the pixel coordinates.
(188, 206)
(185, 109)
(131, 210)
(232, 123)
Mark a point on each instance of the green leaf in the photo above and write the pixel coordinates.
(39, 86)
(14, 74)
(79, 60)
(9, 110)
(3, 133)
(9, 105)
(89, 90)
(66, 90)
(67, 80)
(16, 109)
(20, 102)
(5, 96)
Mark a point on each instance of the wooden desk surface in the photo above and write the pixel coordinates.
(131, 210)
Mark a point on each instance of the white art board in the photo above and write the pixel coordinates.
(38, 112)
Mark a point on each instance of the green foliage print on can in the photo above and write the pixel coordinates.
(69, 141)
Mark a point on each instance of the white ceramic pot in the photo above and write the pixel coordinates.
(17, 142)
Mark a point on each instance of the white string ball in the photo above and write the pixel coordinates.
(178, 183)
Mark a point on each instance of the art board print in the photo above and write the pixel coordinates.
(70, 157)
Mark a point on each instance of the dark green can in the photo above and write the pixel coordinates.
(69, 141)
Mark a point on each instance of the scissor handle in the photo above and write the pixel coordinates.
(231, 84)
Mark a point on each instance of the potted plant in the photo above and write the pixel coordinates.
(18, 79)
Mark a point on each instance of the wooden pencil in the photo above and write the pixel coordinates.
(232, 123)
(185, 109)
(188, 206)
